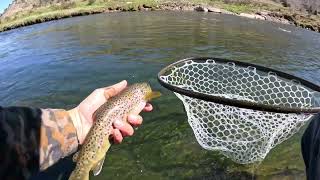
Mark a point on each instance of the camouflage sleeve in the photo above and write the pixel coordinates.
(33, 139)
(58, 137)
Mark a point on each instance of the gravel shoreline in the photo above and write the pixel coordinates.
(278, 17)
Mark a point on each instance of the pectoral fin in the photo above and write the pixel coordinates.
(75, 157)
(152, 95)
(96, 169)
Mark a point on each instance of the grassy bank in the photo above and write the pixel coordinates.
(78, 8)
(43, 14)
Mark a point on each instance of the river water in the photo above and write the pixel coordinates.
(56, 64)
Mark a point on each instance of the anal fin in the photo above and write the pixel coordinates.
(96, 169)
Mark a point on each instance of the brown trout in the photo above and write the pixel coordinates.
(92, 153)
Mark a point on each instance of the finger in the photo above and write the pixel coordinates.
(135, 120)
(148, 107)
(117, 136)
(137, 109)
(125, 128)
(99, 96)
(114, 89)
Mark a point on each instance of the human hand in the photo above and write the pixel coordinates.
(82, 114)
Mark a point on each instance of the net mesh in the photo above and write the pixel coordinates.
(244, 135)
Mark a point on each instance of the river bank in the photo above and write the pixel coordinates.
(261, 10)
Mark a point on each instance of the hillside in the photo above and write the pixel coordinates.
(310, 6)
(25, 5)
(303, 13)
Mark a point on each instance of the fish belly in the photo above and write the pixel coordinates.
(92, 154)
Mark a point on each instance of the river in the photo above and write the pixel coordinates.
(56, 64)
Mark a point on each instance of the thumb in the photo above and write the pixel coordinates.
(114, 89)
(100, 96)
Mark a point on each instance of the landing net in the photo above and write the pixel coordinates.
(240, 109)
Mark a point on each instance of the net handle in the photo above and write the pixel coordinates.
(241, 103)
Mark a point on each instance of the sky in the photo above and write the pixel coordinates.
(4, 4)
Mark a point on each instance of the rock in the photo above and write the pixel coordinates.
(252, 16)
(263, 13)
(227, 12)
(277, 19)
(213, 9)
(146, 6)
(308, 26)
(187, 8)
(259, 17)
(288, 17)
(201, 9)
(141, 8)
(176, 8)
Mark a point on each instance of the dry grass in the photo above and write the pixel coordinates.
(67, 10)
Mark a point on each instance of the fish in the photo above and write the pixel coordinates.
(96, 144)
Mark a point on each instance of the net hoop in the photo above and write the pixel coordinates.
(239, 102)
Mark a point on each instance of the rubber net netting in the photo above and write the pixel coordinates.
(244, 135)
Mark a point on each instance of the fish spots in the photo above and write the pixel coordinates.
(97, 142)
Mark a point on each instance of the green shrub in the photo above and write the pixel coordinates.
(65, 5)
(68, 5)
(90, 2)
(237, 1)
